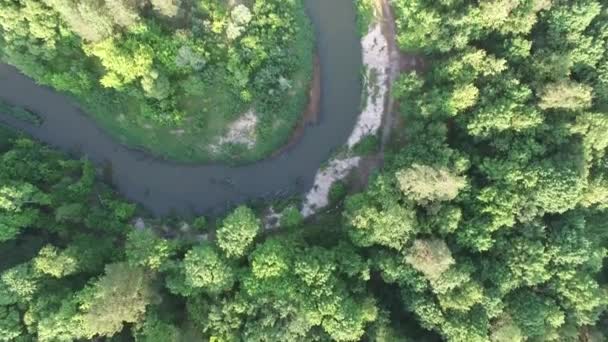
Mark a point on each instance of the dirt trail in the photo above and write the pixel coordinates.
(399, 62)
(390, 32)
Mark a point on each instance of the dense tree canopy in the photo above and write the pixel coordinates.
(503, 167)
(489, 224)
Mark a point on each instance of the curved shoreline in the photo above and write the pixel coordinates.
(163, 186)
(310, 115)
(382, 58)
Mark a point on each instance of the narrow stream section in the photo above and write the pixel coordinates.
(163, 186)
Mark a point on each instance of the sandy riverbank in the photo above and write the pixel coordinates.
(382, 66)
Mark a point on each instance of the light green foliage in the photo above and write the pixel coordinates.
(167, 8)
(596, 194)
(145, 249)
(565, 95)
(54, 262)
(511, 102)
(237, 232)
(463, 97)
(583, 297)
(240, 16)
(155, 85)
(204, 268)
(366, 14)
(505, 330)
(431, 257)
(592, 127)
(528, 260)
(43, 290)
(123, 65)
(120, 296)
(89, 19)
(300, 287)
(559, 188)
(504, 108)
(124, 12)
(16, 202)
(271, 260)
(377, 217)
(423, 183)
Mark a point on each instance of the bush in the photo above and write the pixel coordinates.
(291, 217)
(370, 144)
(200, 223)
(365, 15)
(337, 192)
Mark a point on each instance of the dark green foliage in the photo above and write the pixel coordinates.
(155, 329)
(368, 145)
(489, 225)
(81, 221)
(291, 217)
(10, 323)
(337, 192)
(503, 171)
(200, 223)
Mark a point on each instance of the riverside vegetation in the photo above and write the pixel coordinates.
(170, 76)
(488, 221)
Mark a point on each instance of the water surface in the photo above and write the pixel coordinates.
(162, 186)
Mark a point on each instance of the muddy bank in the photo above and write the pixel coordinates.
(310, 115)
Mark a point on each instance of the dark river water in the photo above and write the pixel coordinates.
(162, 186)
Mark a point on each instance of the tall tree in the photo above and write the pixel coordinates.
(237, 231)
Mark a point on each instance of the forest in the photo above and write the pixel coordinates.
(488, 221)
(170, 76)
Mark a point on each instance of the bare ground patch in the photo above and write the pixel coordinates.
(241, 132)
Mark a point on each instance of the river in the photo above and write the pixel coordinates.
(163, 186)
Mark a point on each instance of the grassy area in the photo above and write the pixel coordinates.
(209, 109)
(276, 127)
